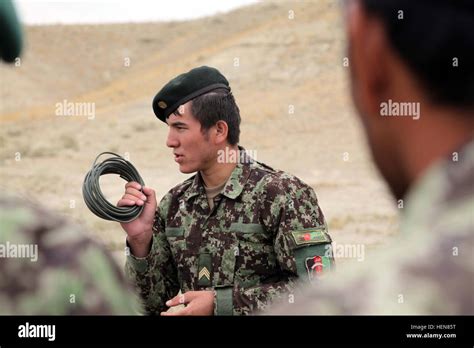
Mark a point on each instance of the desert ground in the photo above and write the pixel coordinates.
(284, 61)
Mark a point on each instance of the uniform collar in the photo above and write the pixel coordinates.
(234, 185)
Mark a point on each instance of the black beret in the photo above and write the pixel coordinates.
(185, 87)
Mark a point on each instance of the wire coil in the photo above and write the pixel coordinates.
(93, 196)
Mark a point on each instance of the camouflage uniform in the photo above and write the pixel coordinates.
(68, 274)
(429, 271)
(251, 247)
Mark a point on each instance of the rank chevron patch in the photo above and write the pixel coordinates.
(204, 272)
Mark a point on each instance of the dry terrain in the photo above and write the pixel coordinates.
(284, 61)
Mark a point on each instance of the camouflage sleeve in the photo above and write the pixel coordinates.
(302, 246)
(49, 267)
(155, 275)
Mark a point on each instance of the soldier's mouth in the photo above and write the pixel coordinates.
(178, 158)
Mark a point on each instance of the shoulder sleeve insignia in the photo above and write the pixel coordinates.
(317, 266)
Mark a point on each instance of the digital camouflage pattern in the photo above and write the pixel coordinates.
(246, 247)
(429, 271)
(69, 274)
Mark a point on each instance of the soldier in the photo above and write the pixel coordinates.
(48, 266)
(403, 52)
(233, 237)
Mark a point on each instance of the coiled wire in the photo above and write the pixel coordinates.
(92, 193)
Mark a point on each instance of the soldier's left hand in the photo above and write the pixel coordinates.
(197, 303)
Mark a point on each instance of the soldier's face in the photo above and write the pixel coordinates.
(192, 149)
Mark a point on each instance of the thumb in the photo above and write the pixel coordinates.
(150, 203)
(177, 300)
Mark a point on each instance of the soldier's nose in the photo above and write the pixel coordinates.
(172, 142)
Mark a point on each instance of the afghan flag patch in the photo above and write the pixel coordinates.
(310, 236)
(317, 266)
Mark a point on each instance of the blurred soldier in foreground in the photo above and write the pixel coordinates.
(413, 86)
(47, 266)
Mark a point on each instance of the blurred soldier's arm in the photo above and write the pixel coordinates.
(155, 275)
(301, 244)
(48, 267)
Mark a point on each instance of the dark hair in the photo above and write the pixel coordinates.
(431, 35)
(215, 106)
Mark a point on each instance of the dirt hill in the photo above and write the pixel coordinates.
(284, 62)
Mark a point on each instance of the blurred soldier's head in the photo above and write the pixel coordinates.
(11, 40)
(412, 74)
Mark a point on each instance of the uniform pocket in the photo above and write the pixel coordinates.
(223, 248)
(249, 233)
(175, 237)
(186, 262)
(256, 257)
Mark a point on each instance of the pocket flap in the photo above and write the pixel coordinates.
(246, 228)
(174, 231)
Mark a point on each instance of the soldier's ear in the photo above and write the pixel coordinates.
(221, 132)
(369, 55)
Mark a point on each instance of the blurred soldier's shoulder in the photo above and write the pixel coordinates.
(429, 269)
(439, 220)
(48, 266)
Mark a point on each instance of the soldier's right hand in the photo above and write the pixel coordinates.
(139, 231)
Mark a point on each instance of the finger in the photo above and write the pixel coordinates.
(181, 312)
(133, 184)
(177, 300)
(137, 201)
(149, 192)
(134, 192)
(150, 203)
(125, 203)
